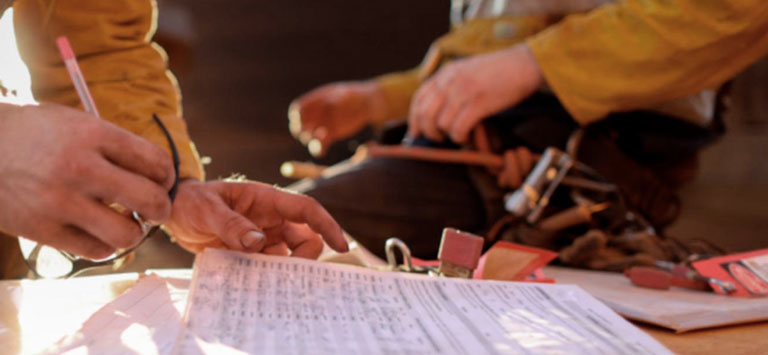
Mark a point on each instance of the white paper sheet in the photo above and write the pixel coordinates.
(269, 305)
(678, 309)
(144, 320)
(36, 313)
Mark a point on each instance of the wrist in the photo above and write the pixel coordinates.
(376, 101)
(186, 182)
(532, 75)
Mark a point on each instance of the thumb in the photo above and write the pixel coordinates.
(238, 232)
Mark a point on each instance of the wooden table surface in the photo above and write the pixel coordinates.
(740, 339)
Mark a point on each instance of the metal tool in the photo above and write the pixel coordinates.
(551, 172)
(539, 185)
(459, 255)
(394, 244)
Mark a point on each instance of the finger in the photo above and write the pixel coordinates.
(423, 114)
(196, 247)
(236, 231)
(413, 126)
(294, 118)
(302, 241)
(279, 249)
(320, 142)
(79, 242)
(413, 129)
(107, 225)
(465, 121)
(305, 112)
(299, 208)
(135, 192)
(447, 115)
(447, 102)
(299, 129)
(427, 120)
(137, 155)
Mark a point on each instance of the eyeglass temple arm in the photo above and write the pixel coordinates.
(174, 156)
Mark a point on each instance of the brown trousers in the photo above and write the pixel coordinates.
(414, 200)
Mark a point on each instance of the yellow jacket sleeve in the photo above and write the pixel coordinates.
(637, 53)
(398, 88)
(126, 73)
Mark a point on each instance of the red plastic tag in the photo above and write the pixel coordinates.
(511, 262)
(747, 271)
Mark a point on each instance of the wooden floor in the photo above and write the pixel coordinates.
(253, 56)
(728, 202)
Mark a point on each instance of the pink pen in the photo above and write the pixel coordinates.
(70, 61)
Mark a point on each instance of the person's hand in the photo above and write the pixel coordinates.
(59, 165)
(251, 217)
(333, 112)
(465, 92)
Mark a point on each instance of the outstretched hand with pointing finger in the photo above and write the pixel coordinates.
(252, 217)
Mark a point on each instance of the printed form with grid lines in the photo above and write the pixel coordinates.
(271, 305)
(258, 304)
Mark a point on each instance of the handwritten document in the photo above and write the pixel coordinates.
(270, 305)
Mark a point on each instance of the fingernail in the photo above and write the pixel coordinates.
(294, 111)
(315, 147)
(251, 238)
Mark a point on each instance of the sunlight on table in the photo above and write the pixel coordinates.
(46, 320)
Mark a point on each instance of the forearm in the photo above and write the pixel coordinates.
(637, 53)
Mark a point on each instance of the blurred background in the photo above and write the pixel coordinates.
(241, 62)
(250, 58)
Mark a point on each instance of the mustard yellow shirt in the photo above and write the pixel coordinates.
(126, 73)
(628, 55)
(637, 53)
